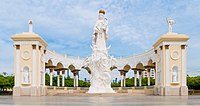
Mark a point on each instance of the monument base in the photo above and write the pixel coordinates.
(155, 90)
(16, 91)
(100, 90)
(184, 90)
(171, 91)
(29, 91)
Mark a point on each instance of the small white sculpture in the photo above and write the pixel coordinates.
(175, 74)
(100, 62)
(26, 76)
(170, 23)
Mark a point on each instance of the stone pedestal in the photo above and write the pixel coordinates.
(16, 91)
(158, 90)
(155, 90)
(38, 91)
(29, 91)
(34, 91)
(184, 90)
(25, 91)
(161, 91)
(171, 91)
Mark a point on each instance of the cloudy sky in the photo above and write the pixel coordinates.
(67, 25)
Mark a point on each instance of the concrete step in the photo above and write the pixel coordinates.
(134, 92)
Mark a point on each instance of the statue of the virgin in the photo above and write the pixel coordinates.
(100, 62)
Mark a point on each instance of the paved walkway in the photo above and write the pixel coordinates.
(99, 100)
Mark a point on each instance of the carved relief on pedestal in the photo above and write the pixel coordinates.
(26, 55)
(175, 55)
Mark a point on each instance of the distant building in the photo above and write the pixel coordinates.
(152, 74)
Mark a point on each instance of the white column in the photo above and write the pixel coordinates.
(58, 78)
(34, 66)
(41, 78)
(63, 78)
(122, 77)
(124, 80)
(44, 68)
(184, 66)
(76, 80)
(154, 70)
(148, 74)
(51, 77)
(160, 74)
(17, 62)
(156, 74)
(140, 78)
(135, 78)
(167, 77)
(39, 67)
(44, 77)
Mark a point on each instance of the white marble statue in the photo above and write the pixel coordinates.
(100, 62)
(25, 76)
(175, 74)
(170, 23)
(100, 34)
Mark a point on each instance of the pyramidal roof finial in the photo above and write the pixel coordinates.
(30, 22)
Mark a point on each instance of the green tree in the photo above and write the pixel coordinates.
(47, 79)
(152, 81)
(5, 73)
(6, 82)
(193, 82)
(130, 82)
(144, 81)
(69, 82)
(116, 84)
(82, 83)
(2, 82)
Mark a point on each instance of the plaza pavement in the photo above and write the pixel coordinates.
(99, 100)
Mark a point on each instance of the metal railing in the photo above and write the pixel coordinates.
(193, 92)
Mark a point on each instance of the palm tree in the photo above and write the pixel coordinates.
(5, 73)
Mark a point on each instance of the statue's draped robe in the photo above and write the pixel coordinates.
(100, 62)
(100, 34)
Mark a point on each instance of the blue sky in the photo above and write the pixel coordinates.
(67, 25)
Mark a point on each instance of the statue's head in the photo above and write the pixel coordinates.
(102, 11)
(101, 14)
